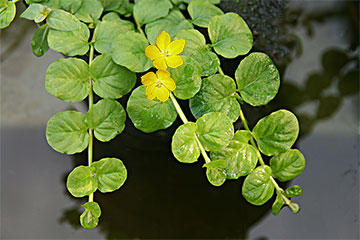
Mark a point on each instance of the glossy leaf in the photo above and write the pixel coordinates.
(277, 132)
(216, 164)
(39, 42)
(194, 40)
(89, 11)
(216, 95)
(172, 24)
(187, 78)
(63, 21)
(111, 80)
(258, 79)
(257, 188)
(36, 12)
(184, 145)
(287, 165)
(230, 35)
(107, 118)
(70, 43)
(7, 15)
(277, 205)
(293, 191)
(68, 79)
(215, 130)
(66, 132)
(89, 219)
(150, 115)
(151, 10)
(202, 11)
(240, 156)
(81, 181)
(128, 50)
(208, 60)
(110, 174)
(216, 176)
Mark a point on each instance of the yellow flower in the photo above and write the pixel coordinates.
(165, 53)
(158, 85)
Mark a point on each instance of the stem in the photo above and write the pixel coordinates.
(138, 26)
(280, 191)
(184, 119)
(91, 101)
(221, 71)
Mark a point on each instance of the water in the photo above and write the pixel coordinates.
(316, 47)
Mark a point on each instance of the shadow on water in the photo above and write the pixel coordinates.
(165, 199)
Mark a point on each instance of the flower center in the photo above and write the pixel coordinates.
(165, 54)
(158, 83)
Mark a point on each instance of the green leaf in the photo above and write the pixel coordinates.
(184, 145)
(215, 130)
(194, 41)
(294, 207)
(70, 43)
(68, 79)
(216, 176)
(187, 78)
(230, 35)
(36, 12)
(89, 219)
(208, 60)
(39, 42)
(66, 132)
(201, 12)
(242, 136)
(216, 95)
(293, 191)
(63, 21)
(150, 10)
(172, 24)
(107, 118)
(241, 157)
(71, 5)
(277, 205)
(90, 11)
(111, 5)
(258, 79)
(7, 15)
(150, 115)
(287, 165)
(128, 50)
(216, 164)
(106, 32)
(81, 181)
(110, 80)
(277, 132)
(258, 188)
(110, 174)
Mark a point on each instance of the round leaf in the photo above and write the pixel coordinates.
(230, 35)
(68, 79)
(258, 188)
(187, 78)
(216, 95)
(107, 118)
(184, 145)
(63, 21)
(216, 164)
(287, 165)
(216, 176)
(66, 132)
(89, 219)
(7, 15)
(201, 12)
(71, 5)
(150, 115)
(89, 11)
(150, 10)
(215, 130)
(258, 79)
(208, 60)
(128, 50)
(277, 132)
(110, 174)
(194, 41)
(111, 80)
(81, 181)
(293, 191)
(70, 43)
(39, 42)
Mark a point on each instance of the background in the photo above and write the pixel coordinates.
(315, 45)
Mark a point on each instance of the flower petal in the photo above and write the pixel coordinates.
(163, 94)
(163, 41)
(161, 74)
(174, 61)
(176, 47)
(151, 92)
(152, 52)
(169, 83)
(160, 63)
(148, 79)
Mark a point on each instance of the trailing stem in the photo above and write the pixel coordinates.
(91, 102)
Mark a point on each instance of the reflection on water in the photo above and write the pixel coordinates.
(165, 199)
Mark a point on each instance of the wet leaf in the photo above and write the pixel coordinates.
(39, 42)
(81, 181)
(288, 165)
(216, 164)
(184, 145)
(216, 176)
(208, 60)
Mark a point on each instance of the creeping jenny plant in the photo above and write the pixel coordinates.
(188, 68)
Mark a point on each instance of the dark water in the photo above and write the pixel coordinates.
(315, 44)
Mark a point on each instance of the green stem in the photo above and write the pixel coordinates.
(221, 71)
(91, 102)
(184, 119)
(138, 26)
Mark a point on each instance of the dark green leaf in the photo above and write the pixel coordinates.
(150, 10)
(7, 15)
(293, 191)
(202, 11)
(66, 132)
(36, 12)
(277, 132)
(63, 21)
(216, 176)
(258, 79)
(184, 145)
(150, 115)
(107, 118)
(81, 181)
(277, 205)
(287, 165)
(89, 11)
(39, 42)
(258, 188)
(89, 219)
